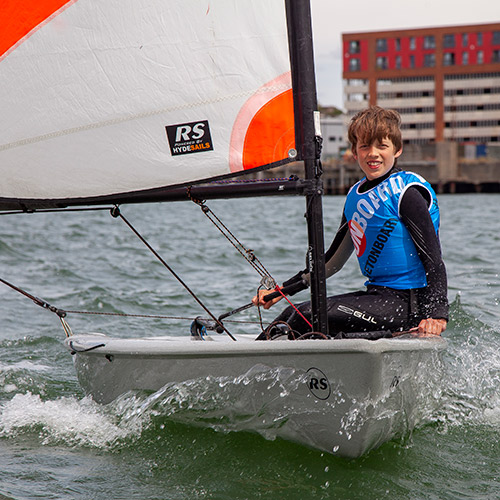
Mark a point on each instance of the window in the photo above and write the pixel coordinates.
(381, 45)
(449, 41)
(480, 57)
(397, 44)
(465, 39)
(479, 39)
(398, 62)
(496, 38)
(429, 60)
(429, 42)
(357, 81)
(354, 64)
(413, 43)
(495, 57)
(354, 47)
(356, 97)
(412, 61)
(448, 59)
(465, 58)
(381, 62)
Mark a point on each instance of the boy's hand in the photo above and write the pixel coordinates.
(429, 327)
(259, 299)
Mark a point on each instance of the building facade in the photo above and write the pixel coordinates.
(445, 81)
(333, 132)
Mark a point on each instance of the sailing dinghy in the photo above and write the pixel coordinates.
(106, 104)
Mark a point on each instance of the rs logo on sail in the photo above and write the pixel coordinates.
(186, 138)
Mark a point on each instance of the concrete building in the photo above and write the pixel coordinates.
(445, 81)
(334, 133)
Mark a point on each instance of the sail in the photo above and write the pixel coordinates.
(105, 98)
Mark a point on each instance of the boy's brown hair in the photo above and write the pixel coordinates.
(375, 123)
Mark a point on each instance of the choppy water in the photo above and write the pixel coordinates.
(56, 443)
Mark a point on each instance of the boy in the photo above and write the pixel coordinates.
(391, 221)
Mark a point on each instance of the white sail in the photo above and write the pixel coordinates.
(100, 98)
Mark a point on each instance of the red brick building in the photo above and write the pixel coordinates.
(444, 81)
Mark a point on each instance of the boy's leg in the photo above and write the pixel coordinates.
(375, 309)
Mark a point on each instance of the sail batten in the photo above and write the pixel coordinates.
(109, 98)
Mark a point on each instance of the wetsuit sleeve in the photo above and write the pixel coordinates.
(414, 211)
(336, 256)
(340, 250)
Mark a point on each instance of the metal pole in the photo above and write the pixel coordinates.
(305, 102)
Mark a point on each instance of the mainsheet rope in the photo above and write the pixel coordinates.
(278, 289)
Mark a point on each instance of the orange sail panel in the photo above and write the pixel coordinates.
(20, 19)
(263, 132)
(271, 134)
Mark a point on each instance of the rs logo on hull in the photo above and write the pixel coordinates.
(318, 384)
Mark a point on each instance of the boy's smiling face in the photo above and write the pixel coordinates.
(377, 158)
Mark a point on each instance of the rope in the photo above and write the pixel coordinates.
(147, 316)
(243, 181)
(278, 289)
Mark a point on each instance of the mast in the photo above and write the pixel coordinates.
(304, 85)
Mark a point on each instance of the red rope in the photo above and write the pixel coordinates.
(278, 289)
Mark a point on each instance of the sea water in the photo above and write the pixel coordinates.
(57, 443)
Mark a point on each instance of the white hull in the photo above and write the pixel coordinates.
(341, 396)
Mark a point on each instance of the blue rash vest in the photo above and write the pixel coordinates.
(386, 253)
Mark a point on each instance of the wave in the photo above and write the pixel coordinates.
(472, 371)
(39, 396)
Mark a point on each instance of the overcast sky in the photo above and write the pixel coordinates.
(331, 18)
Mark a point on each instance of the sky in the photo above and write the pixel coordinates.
(331, 18)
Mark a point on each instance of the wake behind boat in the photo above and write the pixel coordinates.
(106, 105)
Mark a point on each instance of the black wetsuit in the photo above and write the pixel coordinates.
(377, 307)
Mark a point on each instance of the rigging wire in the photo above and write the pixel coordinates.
(115, 212)
(268, 281)
(42, 303)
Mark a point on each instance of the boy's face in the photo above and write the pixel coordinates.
(377, 158)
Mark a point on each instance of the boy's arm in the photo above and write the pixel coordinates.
(336, 256)
(340, 250)
(415, 215)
